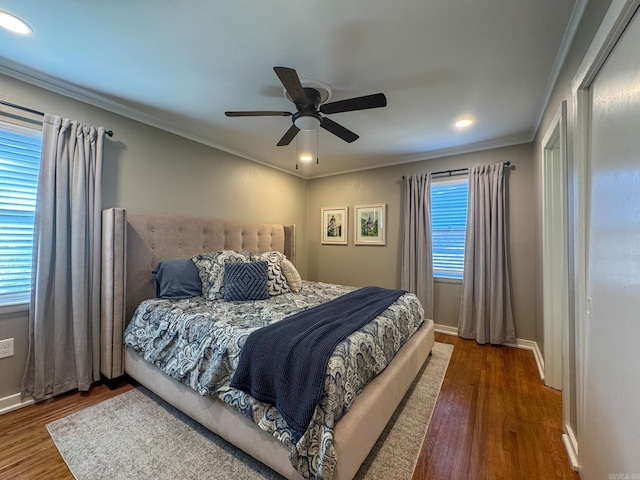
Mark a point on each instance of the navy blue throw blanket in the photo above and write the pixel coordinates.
(284, 363)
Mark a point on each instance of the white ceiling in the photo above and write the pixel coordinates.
(180, 65)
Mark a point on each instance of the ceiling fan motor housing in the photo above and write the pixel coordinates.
(313, 96)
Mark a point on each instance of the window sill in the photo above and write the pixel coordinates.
(14, 308)
(447, 280)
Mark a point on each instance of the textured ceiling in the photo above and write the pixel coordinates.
(180, 65)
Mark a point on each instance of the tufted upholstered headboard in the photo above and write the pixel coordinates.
(134, 242)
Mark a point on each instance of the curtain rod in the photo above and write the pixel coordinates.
(458, 171)
(36, 112)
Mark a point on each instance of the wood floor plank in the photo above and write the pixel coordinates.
(494, 420)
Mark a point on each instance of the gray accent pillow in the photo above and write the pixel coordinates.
(177, 278)
(211, 269)
(245, 281)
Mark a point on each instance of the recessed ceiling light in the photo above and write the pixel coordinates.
(14, 24)
(465, 122)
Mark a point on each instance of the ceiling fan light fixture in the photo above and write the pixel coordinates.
(307, 122)
(307, 146)
(14, 24)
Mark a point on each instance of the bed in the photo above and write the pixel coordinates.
(135, 242)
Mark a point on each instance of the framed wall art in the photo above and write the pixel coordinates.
(334, 225)
(370, 224)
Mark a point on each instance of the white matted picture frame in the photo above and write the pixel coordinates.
(369, 224)
(334, 225)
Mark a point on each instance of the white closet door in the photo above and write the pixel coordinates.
(610, 444)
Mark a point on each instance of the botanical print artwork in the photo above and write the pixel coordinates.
(369, 224)
(334, 225)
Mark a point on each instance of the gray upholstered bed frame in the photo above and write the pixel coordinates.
(134, 242)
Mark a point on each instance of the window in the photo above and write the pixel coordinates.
(448, 226)
(20, 149)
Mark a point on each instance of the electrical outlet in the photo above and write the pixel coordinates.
(6, 348)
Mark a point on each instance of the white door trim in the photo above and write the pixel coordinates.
(555, 259)
(554, 247)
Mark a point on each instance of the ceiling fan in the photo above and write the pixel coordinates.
(308, 103)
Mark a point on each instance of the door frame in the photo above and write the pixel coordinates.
(555, 256)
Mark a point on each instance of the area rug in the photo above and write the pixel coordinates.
(136, 435)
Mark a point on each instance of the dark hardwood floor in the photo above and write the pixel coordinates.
(494, 419)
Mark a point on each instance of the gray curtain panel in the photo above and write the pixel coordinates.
(417, 256)
(64, 315)
(485, 310)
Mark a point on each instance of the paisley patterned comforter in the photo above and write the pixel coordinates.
(198, 342)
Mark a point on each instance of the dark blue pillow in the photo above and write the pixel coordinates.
(177, 278)
(246, 281)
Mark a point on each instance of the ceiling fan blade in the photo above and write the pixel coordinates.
(337, 129)
(258, 114)
(359, 103)
(290, 135)
(291, 81)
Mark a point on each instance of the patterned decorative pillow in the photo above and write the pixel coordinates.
(277, 282)
(291, 274)
(246, 281)
(211, 270)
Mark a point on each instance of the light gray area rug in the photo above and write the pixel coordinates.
(136, 435)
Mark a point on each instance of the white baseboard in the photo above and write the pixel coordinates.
(571, 444)
(446, 329)
(525, 344)
(12, 402)
(537, 354)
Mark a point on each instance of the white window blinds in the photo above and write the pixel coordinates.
(20, 150)
(448, 226)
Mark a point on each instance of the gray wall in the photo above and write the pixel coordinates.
(380, 265)
(152, 170)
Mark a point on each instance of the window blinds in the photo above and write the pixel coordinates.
(448, 226)
(20, 150)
